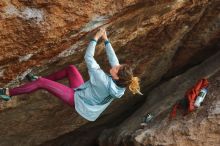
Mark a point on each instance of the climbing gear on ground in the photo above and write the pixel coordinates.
(31, 77)
(147, 118)
(194, 92)
(200, 97)
(3, 94)
(190, 98)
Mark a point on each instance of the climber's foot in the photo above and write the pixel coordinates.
(4, 94)
(31, 77)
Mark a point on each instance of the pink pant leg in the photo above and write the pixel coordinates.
(71, 72)
(61, 91)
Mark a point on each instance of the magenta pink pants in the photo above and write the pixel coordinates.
(48, 83)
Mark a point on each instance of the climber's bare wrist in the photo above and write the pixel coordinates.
(95, 38)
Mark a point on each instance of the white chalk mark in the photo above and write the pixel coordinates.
(25, 58)
(26, 13)
(94, 23)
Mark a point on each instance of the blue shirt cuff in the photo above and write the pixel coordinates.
(94, 40)
(106, 42)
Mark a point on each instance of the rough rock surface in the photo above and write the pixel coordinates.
(197, 128)
(159, 38)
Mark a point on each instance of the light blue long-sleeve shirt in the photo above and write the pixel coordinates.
(93, 97)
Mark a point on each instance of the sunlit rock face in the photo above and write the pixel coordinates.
(158, 38)
(33, 32)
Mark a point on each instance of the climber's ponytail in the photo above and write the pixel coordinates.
(126, 79)
(134, 85)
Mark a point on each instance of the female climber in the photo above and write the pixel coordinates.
(91, 98)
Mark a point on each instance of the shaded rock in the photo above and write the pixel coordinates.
(198, 128)
(183, 131)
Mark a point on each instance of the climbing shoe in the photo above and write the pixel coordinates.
(3, 95)
(31, 77)
(148, 118)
